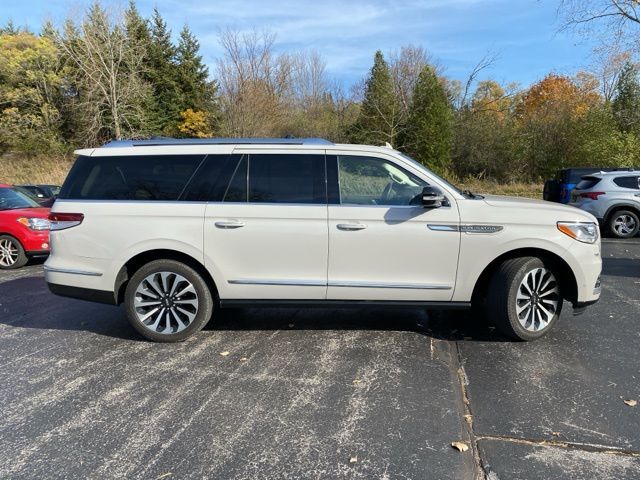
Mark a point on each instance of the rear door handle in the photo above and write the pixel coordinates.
(351, 226)
(229, 224)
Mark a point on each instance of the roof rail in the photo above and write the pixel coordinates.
(158, 141)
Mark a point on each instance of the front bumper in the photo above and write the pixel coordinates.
(580, 307)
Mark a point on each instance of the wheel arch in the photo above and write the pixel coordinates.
(8, 234)
(620, 206)
(557, 263)
(136, 262)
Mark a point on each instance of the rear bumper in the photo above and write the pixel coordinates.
(80, 293)
(38, 253)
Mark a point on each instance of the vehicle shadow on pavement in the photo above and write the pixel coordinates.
(441, 325)
(621, 267)
(27, 303)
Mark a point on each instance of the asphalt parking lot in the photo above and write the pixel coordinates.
(319, 393)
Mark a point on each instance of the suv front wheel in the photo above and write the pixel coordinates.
(168, 301)
(524, 298)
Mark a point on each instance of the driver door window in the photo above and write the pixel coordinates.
(374, 181)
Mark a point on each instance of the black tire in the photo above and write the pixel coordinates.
(619, 232)
(16, 258)
(201, 295)
(502, 301)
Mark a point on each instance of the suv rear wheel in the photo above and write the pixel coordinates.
(624, 224)
(12, 254)
(524, 298)
(168, 301)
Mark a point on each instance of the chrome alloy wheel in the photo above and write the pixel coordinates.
(537, 299)
(624, 224)
(166, 302)
(8, 253)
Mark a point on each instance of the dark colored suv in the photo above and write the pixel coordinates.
(559, 189)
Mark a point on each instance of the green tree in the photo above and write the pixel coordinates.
(197, 92)
(626, 104)
(380, 118)
(429, 132)
(161, 72)
(30, 93)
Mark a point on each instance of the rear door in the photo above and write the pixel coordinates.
(267, 236)
(383, 245)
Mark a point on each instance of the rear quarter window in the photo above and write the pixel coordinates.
(630, 181)
(149, 177)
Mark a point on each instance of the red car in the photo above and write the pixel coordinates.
(24, 228)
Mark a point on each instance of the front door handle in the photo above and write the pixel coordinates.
(351, 226)
(229, 224)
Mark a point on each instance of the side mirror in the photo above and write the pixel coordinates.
(432, 197)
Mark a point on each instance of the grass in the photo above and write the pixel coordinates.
(17, 169)
(40, 169)
(492, 187)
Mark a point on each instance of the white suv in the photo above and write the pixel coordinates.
(175, 228)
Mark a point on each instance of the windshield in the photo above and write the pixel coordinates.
(438, 177)
(11, 199)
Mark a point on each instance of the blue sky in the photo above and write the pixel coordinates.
(457, 33)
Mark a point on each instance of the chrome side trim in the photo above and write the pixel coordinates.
(72, 272)
(465, 228)
(290, 283)
(413, 286)
(443, 228)
(319, 283)
(481, 228)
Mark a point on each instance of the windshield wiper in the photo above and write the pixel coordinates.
(472, 195)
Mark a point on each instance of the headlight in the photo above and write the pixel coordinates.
(583, 232)
(35, 223)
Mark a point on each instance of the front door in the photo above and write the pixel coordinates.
(268, 236)
(383, 244)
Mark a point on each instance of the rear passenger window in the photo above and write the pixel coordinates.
(158, 177)
(627, 182)
(210, 182)
(275, 178)
(237, 189)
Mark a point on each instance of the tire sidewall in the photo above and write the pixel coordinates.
(22, 256)
(205, 300)
(520, 332)
(619, 213)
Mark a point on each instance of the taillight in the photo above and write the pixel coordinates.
(591, 195)
(62, 221)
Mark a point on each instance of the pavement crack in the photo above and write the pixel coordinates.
(586, 447)
(480, 472)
